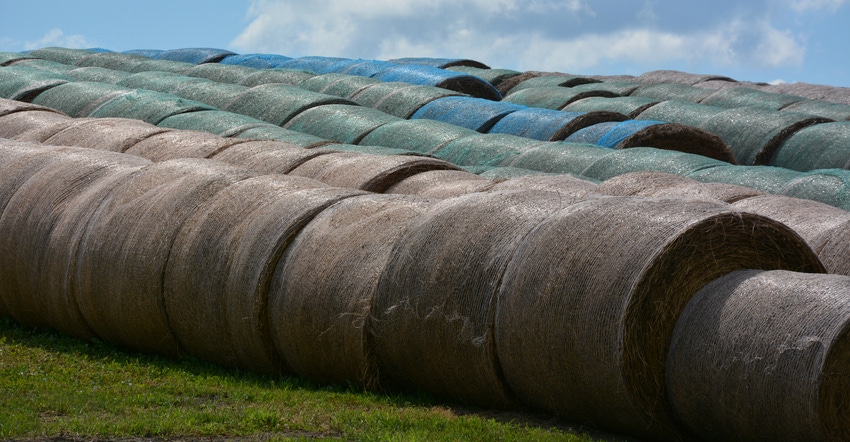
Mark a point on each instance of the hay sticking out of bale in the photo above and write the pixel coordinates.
(601, 308)
(101, 75)
(666, 185)
(682, 112)
(338, 85)
(631, 107)
(221, 73)
(112, 134)
(648, 159)
(423, 136)
(149, 106)
(339, 122)
(322, 293)
(792, 382)
(820, 146)
(441, 184)
(221, 123)
(672, 91)
(428, 76)
(548, 124)
(34, 125)
(748, 97)
(175, 144)
(275, 133)
(552, 97)
(485, 149)
(825, 109)
(268, 157)
(289, 77)
(559, 157)
(80, 98)
(469, 112)
(278, 103)
(765, 178)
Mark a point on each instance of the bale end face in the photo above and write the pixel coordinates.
(672, 136)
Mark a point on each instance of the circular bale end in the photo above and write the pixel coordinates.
(506, 86)
(602, 308)
(672, 136)
(112, 134)
(441, 184)
(666, 185)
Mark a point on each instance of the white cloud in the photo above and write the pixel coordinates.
(55, 37)
(807, 5)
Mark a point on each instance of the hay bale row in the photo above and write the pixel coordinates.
(469, 112)
(278, 103)
(550, 125)
(821, 146)
(111, 60)
(256, 61)
(24, 83)
(399, 99)
(552, 97)
(33, 125)
(80, 98)
(221, 123)
(748, 97)
(339, 122)
(194, 55)
(631, 107)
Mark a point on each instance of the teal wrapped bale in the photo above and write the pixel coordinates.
(672, 91)
(33, 126)
(268, 157)
(150, 53)
(442, 184)
(101, 75)
(492, 76)
(828, 186)
(623, 87)
(111, 60)
(442, 63)
(470, 112)
(423, 136)
(631, 107)
(429, 76)
(747, 97)
(754, 134)
(311, 63)
(371, 150)
(291, 77)
(648, 159)
(552, 97)
(194, 55)
(256, 61)
(339, 122)
(371, 94)
(221, 123)
(363, 68)
(276, 133)
(402, 102)
(112, 134)
(61, 55)
(44, 65)
(565, 185)
(548, 124)
(177, 67)
(508, 84)
(222, 73)
(763, 355)
(667, 185)
(765, 178)
(278, 103)
(8, 58)
(821, 146)
(566, 158)
(486, 149)
(177, 144)
(553, 81)
(602, 307)
(160, 81)
(681, 112)
(80, 98)
(25, 84)
(339, 85)
(149, 106)
(500, 173)
(821, 108)
(215, 94)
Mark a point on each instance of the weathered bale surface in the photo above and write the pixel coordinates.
(432, 318)
(25, 83)
(113, 134)
(763, 356)
(748, 97)
(821, 146)
(61, 55)
(682, 112)
(561, 186)
(290, 77)
(111, 60)
(221, 123)
(181, 144)
(492, 76)
(161, 81)
(424, 136)
(123, 253)
(101, 75)
(19, 161)
(429, 76)
(672, 91)
(595, 313)
(336, 84)
(256, 61)
(508, 84)
(149, 106)
(829, 186)
(833, 246)
(619, 87)
(222, 73)
(442, 63)
(371, 173)
(268, 156)
(40, 231)
(501, 173)
(486, 149)
(79, 98)
(765, 178)
(217, 95)
(312, 63)
(548, 124)
(344, 123)
(8, 58)
(553, 81)
(815, 91)
(45, 65)
(275, 133)
(560, 157)
(754, 134)
(552, 97)
(631, 107)
(372, 150)
(364, 68)
(647, 159)
(177, 67)
(322, 292)
(199, 266)
(821, 108)
(11, 106)
(194, 55)
(404, 102)
(441, 184)
(278, 103)
(472, 113)
(666, 185)
(33, 125)
(679, 77)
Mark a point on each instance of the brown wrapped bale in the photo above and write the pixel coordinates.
(441, 184)
(33, 126)
(667, 185)
(113, 134)
(595, 312)
(175, 144)
(268, 156)
(764, 356)
(322, 293)
(11, 106)
(833, 247)
(564, 187)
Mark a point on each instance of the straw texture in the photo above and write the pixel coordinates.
(34, 125)
(665, 185)
(268, 156)
(181, 144)
(441, 184)
(113, 134)
(278, 103)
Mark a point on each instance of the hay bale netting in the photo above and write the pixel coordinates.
(175, 144)
(194, 55)
(648, 159)
(222, 73)
(548, 124)
(221, 123)
(672, 91)
(336, 84)
(268, 157)
(564, 186)
(765, 178)
(432, 316)
(363, 68)
(404, 102)
(44, 65)
(623, 88)
(792, 382)
(631, 107)
(33, 125)
(754, 134)
(825, 109)
(290, 77)
(667, 185)
(160, 81)
(553, 81)
(40, 234)
(215, 94)
(177, 67)
(682, 112)
(441, 184)
(423, 136)
(61, 55)
(112, 134)
(111, 60)
(278, 103)
(552, 97)
(442, 63)
(747, 97)
(339, 122)
(149, 106)
(150, 53)
(24, 83)
(829, 186)
(11, 106)
(313, 63)
(430, 76)
(492, 76)
(559, 157)
(472, 113)
(820, 146)
(501, 173)
(276, 133)
(372, 173)
(678, 77)
(322, 293)
(372, 150)
(602, 308)
(80, 98)
(814, 91)
(485, 149)
(9, 58)
(508, 84)
(256, 61)
(123, 254)
(101, 75)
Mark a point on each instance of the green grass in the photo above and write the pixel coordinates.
(53, 386)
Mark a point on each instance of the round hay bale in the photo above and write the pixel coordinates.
(559, 157)
(8, 58)
(80, 98)
(432, 317)
(275, 133)
(429, 76)
(372, 150)
(442, 63)
(764, 356)
(123, 253)
(198, 267)
(765, 178)
(548, 124)
(821, 108)
(61, 55)
(363, 68)
(112, 134)
(552, 97)
(828, 186)
(501, 173)
(268, 157)
(472, 113)
(485, 149)
(566, 187)
(25, 84)
(672, 91)
(754, 134)
(177, 67)
(11, 106)
(623, 88)
(441, 184)
(833, 245)
(160, 81)
(221, 123)
(681, 112)
(723, 84)
(553, 81)
(313, 63)
(19, 161)
(747, 97)
(39, 235)
(44, 65)
(290, 77)
(648, 159)
(173, 144)
(221, 73)
(371, 173)
(336, 84)
(815, 91)
(666, 185)
(492, 76)
(256, 61)
(370, 94)
(679, 77)
(322, 293)
(404, 102)
(339, 122)
(111, 60)
(33, 125)
(423, 136)
(217, 95)
(150, 53)
(820, 146)
(596, 312)
(149, 106)
(278, 103)
(631, 107)
(194, 55)
(508, 84)
(101, 75)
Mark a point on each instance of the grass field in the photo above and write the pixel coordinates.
(58, 388)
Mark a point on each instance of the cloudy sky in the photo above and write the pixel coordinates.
(777, 40)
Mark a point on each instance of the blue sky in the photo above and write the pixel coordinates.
(787, 40)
